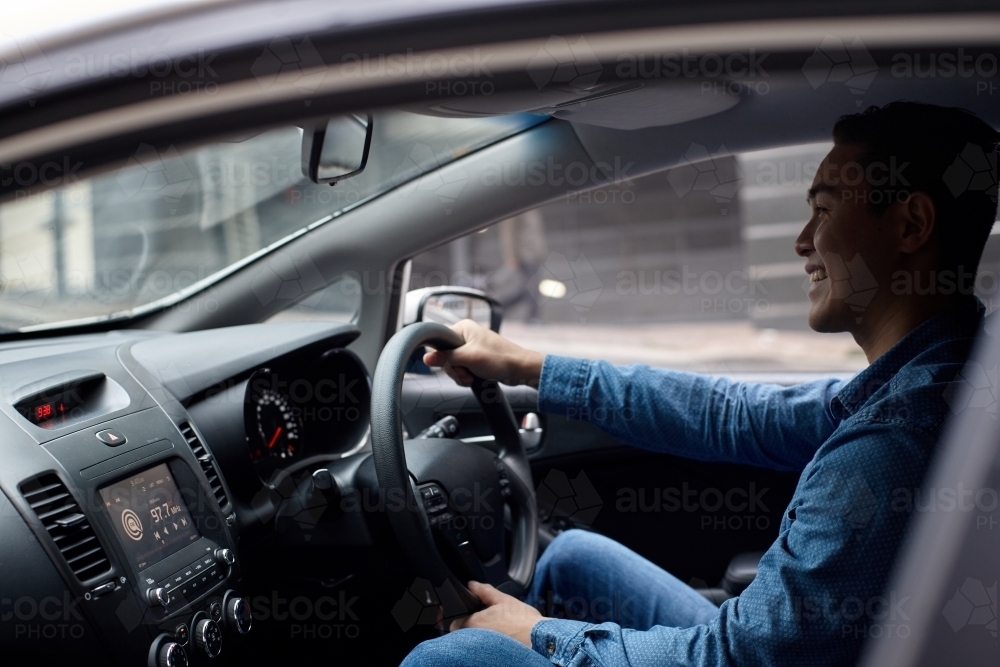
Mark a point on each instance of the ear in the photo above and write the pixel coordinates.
(918, 218)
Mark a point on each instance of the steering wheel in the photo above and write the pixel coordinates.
(452, 523)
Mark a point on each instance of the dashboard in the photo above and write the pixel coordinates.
(121, 523)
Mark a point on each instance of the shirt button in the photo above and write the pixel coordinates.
(550, 647)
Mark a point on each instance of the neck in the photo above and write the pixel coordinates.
(888, 323)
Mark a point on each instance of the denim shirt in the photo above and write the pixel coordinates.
(863, 447)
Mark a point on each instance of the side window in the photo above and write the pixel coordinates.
(692, 268)
(339, 301)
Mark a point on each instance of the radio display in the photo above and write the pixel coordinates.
(149, 515)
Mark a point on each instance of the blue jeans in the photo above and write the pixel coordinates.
(585, 577)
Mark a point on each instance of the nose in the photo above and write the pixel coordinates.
(804, 242)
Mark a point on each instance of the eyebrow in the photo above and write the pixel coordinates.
(816, 189)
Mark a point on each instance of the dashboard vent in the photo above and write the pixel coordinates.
(66, 524)
(207, 465)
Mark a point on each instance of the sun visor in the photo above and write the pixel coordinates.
(620, 105)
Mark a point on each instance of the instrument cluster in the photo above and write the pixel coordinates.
(298, 411)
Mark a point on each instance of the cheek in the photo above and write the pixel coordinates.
(845, 233)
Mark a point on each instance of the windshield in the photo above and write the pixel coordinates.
(167, 224)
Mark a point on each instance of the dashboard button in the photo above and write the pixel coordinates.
(111, 437)
(181, 634)
(215, 611)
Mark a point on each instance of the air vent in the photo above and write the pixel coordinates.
(207, 465)
(68, 527)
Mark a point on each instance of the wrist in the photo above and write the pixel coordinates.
(528, 639)
(531, 368)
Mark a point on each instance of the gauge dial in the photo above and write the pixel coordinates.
(273, 424)
(278, 427)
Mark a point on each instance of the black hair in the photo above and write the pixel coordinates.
(946, 152)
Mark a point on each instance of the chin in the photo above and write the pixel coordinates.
(823, 319)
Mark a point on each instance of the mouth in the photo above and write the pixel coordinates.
(816, 275)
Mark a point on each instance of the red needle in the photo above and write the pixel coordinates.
(274, 438)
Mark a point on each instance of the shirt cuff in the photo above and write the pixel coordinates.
(562, 384)
(558, 639)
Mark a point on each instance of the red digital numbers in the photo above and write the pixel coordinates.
(43, 411)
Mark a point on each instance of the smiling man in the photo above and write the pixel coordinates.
(891, 249)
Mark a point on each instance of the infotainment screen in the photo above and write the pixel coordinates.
(149, 515)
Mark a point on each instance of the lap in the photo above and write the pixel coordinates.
(588, 577)
(581, 576)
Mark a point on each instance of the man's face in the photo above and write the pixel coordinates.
(847, 251)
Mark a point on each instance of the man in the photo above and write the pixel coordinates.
(885, 201)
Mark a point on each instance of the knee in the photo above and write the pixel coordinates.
(455, 649)
(430, 653)
(569, 550)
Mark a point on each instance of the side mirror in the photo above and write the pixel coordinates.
(450, 304)
(336, 148)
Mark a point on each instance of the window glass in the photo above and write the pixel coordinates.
(168, 223)
(692, 268)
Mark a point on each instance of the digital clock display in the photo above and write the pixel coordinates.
(56, 407)
(149, 515)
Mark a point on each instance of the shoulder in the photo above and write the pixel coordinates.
(923, 394)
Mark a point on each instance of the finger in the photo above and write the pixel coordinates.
(464, 327)
(458, 624)
(486, 593)
(463, 376)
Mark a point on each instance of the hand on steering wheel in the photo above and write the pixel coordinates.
(486, 354)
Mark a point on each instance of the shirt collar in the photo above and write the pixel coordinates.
(959, 321)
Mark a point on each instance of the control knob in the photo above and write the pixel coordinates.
(208, 636)
(172, 655)
(238, 614)
(156, 596)
(225, 556)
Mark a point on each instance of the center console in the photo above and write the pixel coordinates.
(157, 568)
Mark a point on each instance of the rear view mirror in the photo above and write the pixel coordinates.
(336, 148)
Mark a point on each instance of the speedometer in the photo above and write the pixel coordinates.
(273, 423)
(278, 428)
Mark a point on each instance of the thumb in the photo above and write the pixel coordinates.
(436, 357)
(486, 593)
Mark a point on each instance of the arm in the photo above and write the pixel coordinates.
(692, 415)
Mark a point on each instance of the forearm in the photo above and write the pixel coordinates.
(691, 415)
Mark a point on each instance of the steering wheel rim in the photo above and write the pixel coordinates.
(412, 526)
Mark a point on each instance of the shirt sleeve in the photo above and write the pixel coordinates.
(692, 415)
(819, 592)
